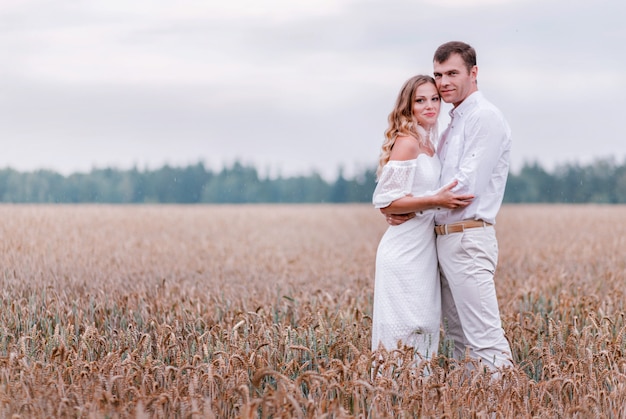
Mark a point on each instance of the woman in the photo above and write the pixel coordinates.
(407, 306)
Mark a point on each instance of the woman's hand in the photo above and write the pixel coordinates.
(448, 199)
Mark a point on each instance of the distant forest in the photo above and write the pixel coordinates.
(603, 181)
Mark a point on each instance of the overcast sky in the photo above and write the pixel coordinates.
(293, 86)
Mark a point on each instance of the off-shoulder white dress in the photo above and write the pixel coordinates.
(407, 301)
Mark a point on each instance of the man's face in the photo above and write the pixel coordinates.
(453, 80)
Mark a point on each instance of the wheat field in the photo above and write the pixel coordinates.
(265, 311)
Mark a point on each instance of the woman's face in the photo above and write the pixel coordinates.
(426, 105)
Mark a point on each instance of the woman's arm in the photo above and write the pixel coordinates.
(444, 198)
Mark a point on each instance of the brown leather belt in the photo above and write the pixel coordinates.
(459, 227)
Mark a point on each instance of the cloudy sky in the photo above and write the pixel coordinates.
(293, 86)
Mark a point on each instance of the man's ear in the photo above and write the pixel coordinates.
(474, 73)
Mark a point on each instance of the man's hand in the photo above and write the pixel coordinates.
(397, 219)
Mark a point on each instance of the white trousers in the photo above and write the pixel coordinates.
(470, 314)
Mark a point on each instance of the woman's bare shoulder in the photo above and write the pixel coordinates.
(404, 148)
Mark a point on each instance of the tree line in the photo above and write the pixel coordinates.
(603, 181)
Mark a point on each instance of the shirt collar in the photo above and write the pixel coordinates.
(466, 104)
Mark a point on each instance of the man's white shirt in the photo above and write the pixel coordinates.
(474, 150)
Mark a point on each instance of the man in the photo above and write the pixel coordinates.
(474, 150)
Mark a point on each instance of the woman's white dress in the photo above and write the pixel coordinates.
(407, 302)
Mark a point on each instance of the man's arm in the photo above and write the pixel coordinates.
(485, 133)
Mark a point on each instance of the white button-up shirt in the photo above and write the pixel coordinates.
(474, 150)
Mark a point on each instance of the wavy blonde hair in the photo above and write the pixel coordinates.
(401, 120)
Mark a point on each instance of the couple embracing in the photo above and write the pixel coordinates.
(435, 264)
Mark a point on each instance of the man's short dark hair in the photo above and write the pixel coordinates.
(455, 47)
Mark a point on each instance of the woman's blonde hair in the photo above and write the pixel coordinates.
(401, 119)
